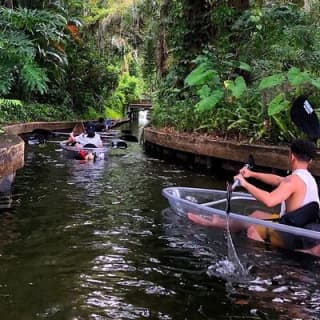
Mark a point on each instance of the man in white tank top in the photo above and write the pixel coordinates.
(293, 192)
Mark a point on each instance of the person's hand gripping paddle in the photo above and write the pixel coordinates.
(236, 183)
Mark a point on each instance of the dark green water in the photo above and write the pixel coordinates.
(96, 241)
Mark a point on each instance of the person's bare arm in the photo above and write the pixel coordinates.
(268, 178)
(270, 199)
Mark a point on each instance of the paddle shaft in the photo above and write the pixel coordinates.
(236, 183)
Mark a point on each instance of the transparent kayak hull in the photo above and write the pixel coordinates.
(73, 151)
(209, 202)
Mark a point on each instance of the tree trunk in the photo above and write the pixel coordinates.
(239, 4)
(162, 48)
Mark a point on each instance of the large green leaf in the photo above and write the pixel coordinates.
(278, 104)
(210, 102)
(245, 66)
(316, 83)
(201, 75)
(296, 77)
(237, 87)
(271, 81)
(204, 92)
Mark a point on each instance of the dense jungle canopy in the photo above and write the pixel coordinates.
(226, 67)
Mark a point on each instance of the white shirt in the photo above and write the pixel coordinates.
(311, 194)
(83, 139)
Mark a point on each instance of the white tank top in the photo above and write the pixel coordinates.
(83, 139)
(311, 188)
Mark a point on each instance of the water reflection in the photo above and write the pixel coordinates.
(6, 197)
(86, 175)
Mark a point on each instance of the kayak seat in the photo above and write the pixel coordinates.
(309, 213)
(89, 145)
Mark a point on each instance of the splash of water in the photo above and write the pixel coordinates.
(231, 268)
(233, 256)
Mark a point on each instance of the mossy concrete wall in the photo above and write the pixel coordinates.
(20, 128)
(11, 154)
(274, 157)
(12, 146)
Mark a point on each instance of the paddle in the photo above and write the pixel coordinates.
(231, 187)
(232, 253)
(305, 118)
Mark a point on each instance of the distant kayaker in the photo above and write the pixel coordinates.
(297, 193)
(88, 139)
(101, 125)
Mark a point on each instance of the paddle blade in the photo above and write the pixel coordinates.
(304, 117)
(229, 193)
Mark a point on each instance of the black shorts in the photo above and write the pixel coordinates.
(305, 217)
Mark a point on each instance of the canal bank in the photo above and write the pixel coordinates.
(209, 153)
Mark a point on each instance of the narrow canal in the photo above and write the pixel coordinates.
(87, 241)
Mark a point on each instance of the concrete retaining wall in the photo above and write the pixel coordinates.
(273, 157)
(12, 146)
(20, 128)
(11, 154)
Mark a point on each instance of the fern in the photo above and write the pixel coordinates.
(11, 102)
(34, 78)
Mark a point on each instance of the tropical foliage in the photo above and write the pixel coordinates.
(245, 71)
(229, 68)
(67, 54)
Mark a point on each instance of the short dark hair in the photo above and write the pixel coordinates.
(304, 150)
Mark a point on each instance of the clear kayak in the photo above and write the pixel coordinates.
(103, 134)
(211, 202)
(110, 134)
(73, 151)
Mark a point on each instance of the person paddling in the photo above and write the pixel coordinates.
(88, 139)
(297, 193)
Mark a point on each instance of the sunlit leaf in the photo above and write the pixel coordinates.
(237, 87)
(13, 102)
